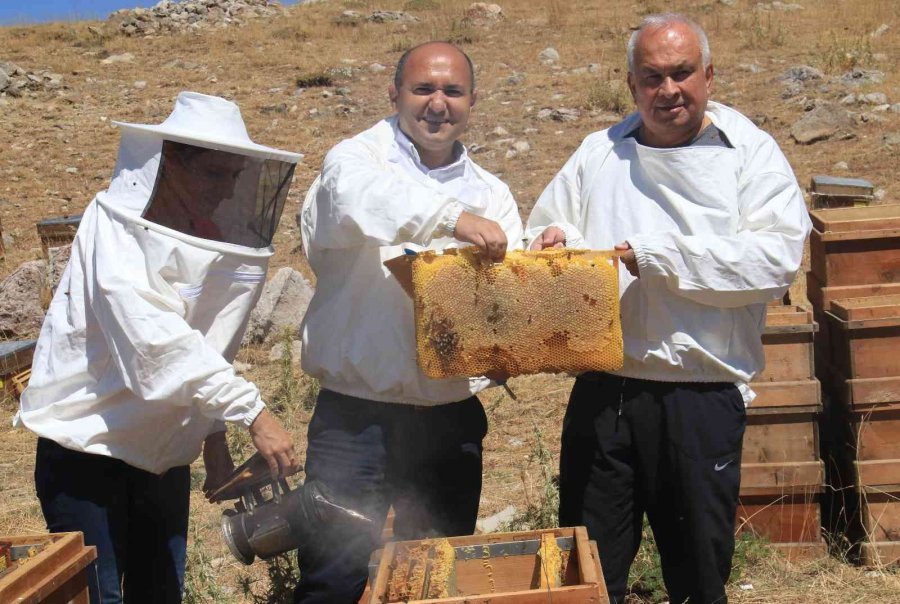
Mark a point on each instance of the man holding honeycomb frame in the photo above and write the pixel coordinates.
(710, 222)
(383, 433)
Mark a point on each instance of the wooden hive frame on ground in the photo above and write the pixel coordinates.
(550, 311)
(55, 232)
(501, 568)
(54, 571)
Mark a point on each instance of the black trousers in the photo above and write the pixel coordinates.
(670, 450)
(138, 521)
(425, 461)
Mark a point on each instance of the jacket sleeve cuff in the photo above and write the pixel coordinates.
(446, 226)
(254, 411)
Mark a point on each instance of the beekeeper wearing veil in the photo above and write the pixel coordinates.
(132, 375)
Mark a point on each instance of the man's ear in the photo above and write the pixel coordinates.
(709, 72)
(631, 86)
(392, 94)
(474, 98)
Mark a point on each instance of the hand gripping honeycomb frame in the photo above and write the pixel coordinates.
(548, 311)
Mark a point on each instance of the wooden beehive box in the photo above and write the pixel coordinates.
(15, 359)
(58, 231)
(838, 192)
(782, 422)
(864, 336)
(52, 569)
(504, 568)
(788, 345)
(856, 246)
(821, 298)
(780, 501)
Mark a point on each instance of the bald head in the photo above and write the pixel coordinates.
(666, 21)
(429, 48)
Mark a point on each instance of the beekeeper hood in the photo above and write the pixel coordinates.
(134, 358)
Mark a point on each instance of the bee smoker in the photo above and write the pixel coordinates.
(265, 527)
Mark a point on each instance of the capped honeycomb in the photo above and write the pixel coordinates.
(549, 311)
(550, 561)
(422, 571)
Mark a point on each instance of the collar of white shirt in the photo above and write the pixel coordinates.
(457, 179)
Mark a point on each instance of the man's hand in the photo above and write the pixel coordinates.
(274, 444)
(484, 233)
(217, 462)
(628, 259)
(551, 237)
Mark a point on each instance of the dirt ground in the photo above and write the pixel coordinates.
(59, 149)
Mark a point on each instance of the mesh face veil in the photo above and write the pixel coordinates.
(219, 195)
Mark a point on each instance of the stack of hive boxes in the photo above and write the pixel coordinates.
(854, 287)
(782, 475)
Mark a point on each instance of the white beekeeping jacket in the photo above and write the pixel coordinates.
(134, 357)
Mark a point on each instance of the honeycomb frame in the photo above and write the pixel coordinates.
(537, 311)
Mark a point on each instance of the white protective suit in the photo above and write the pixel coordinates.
(134, 357)
(363, 209)
(717, 232)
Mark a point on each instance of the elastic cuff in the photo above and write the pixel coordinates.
(447, 224)
(254, 411)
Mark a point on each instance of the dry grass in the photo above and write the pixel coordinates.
(260, 65)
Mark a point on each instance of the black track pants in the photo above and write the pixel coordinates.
(670, 450)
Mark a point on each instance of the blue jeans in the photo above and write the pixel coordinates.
(137, 520)
(425, 461)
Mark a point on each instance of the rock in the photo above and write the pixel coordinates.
(759, 119)
(391, 16)
(786, 7)
(277, 351)
(241, 367)
(482, 14)
(861, 77)
(881, 30)
(492, 523)
(500, 131)
(4, 81)
(826, 120)
(873, 98)
(140, 84)
(521, 147)
(190, 15)
(377, 68)
(728, 2)
(21, 314)
(850, 99)
(282, 305)
(558, 115)
(58, 261)
(891, 139)
(841, 166)
(125, 57)
(548, 56)
(750, 67)
(895, 108)
(350, 17)
(801, 73)
(515, 79)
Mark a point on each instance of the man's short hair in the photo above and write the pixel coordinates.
(662, 20)
(401, 64)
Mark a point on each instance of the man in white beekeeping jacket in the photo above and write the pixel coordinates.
(382, 433)
(132, 373)
(710, 222)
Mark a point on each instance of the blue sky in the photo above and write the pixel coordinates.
(19, 12)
